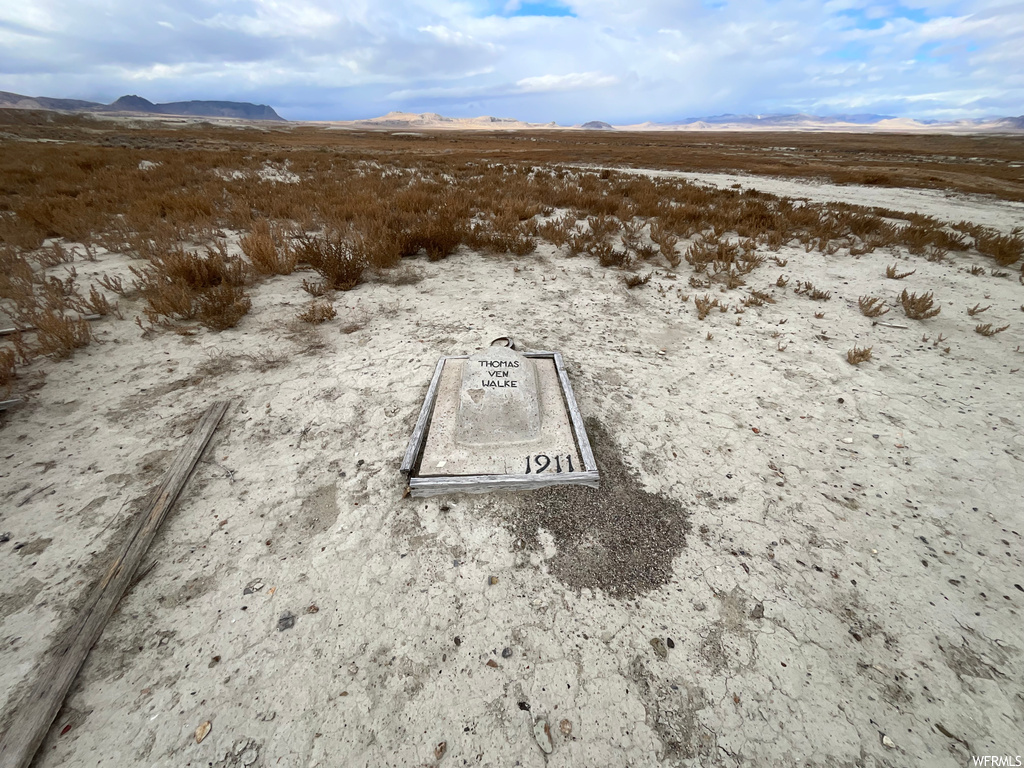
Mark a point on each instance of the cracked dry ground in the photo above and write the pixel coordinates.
(839, 587)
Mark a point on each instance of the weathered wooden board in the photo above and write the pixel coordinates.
(36, 713)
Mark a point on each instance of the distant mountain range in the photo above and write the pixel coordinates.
(855, 122)
(796, 122)
(407, 121)
(238, 110)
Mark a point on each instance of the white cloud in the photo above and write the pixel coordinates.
(617, 60)
(571, 82)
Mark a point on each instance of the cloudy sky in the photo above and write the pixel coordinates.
(539, 60)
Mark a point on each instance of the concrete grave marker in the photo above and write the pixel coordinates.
(498, 419)
(498, 400)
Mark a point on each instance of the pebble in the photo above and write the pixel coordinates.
(847, 440)
(203, 731)
(659, 647)
(887, 742)
(287, 621)
(492, 580)
(542, 733)
(440, 749)
(506, 653)
(565, 727)
(758, 612)
(698, 606)
(492, 663)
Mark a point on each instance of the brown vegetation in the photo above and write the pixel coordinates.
(704, 305)
(632, 281)
(8, 371)
(856, 356)
(872, 306)
(337, 260)
(361, 202)
(184, 285)
(892, 272)
(267, 251)
(919, 307)
(986, 329)
(318, 312)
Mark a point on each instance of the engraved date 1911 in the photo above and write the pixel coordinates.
(543, 464)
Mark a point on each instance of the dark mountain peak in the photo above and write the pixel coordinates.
(235, 109)
(133, 103)
(597, 125)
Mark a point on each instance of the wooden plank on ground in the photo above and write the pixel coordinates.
(32, 328)
(36, 714)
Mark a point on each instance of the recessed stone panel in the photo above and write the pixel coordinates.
(552, 450)
(498, 400)
(498, 420)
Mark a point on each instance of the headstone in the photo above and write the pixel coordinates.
(498, 420)
(498, 401)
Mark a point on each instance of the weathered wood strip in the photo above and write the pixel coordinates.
(36, 714)
(431, 486)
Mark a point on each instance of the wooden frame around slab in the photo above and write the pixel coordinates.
(430, 486)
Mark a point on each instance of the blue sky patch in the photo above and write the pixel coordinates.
(540, 8)
(862, 20)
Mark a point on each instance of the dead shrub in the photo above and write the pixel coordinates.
(633, 281)
(8, 371)
(977, 309)
(497, 237)
(704, 305)
(54, 256)
(315, 288)
(222, 306)
(318, 312)
(439, 236)
(872, 306)
(98, 304)
(892, 272)
(114, 284)
(666, 243)
(986, 329)
(603, 225)
(856, 356)
(557, 231)
(919, 307)
(334, 258)
(183, 285)
(579, 242)
(58, 335)
(1005, 249)
(264, 252)
(608, 256)
(806, 288)
(758, 299)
